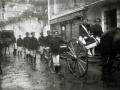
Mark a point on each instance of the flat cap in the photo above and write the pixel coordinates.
(32, 32)
(27, 33)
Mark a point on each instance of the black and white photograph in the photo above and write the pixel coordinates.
(59, 44)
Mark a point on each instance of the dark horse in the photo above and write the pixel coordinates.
(109, 49)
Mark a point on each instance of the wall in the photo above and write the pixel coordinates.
(66, 5)
(95, 10)
(0, 9)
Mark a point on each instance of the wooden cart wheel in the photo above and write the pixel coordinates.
(76, 55)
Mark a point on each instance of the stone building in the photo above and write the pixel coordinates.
(66, 15)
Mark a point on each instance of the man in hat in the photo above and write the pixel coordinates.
(96, 29)
(14, 44)
(26, 46)
(33, 47)
(96, 32)
(19, 45)
(85, 37)
(56, 41)
(48, 38)
(84, 31)
(41, 41)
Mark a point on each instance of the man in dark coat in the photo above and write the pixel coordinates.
(84, 32)
(41, 41)
(56, 41)
(85, 37)
(96, 29)
(14, 45)
(48, 39)
(19, 45)
(33, 47)
(26, 46)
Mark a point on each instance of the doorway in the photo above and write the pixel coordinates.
(111, 19)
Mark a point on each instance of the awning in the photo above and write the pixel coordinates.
(68, 17)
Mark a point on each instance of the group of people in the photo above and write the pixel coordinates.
(53, 42)
(90, 35)
(31, 44)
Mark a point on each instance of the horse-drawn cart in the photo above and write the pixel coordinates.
(78, 59)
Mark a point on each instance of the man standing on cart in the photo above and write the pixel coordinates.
(26, 46)
(55, 50)
(33, 48)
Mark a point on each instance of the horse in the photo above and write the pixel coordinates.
(109, 49)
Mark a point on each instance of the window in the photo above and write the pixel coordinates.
(73, 3)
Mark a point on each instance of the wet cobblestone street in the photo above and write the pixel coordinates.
(18, 75)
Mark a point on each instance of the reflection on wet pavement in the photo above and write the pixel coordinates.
(18, 75)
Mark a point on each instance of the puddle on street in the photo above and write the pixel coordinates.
(19, 75)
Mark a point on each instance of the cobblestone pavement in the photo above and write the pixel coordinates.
(18, 75)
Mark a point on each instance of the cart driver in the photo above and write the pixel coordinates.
(85, 37)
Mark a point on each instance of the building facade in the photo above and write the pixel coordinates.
(0, 9)
(67, 15)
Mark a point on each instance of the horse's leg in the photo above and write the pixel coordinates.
(104, 66)
(5, 53)
(112, 57)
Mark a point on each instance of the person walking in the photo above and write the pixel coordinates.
(55, 43)
(41, 41)
(19, 45)
(26, 46)
(48, 38)
(14, 44)
(33, 46)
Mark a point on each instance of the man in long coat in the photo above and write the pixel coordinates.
(33, 47)
(26, 41)
(19, 45)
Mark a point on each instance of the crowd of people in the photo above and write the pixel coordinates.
(30, 46)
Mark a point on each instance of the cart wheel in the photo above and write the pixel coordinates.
(77, 60)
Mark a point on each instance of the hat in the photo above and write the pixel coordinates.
(85, 19)
(32, 33)
(48, 31)
(27, 33)
(97, 20)
(56, 31)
